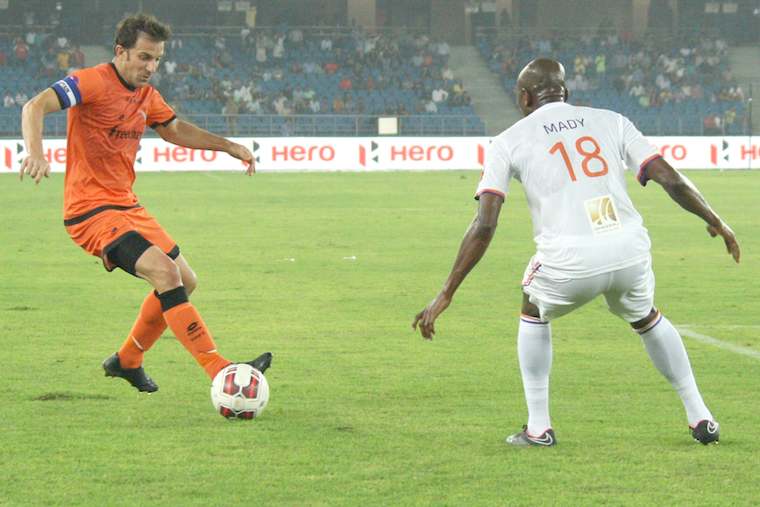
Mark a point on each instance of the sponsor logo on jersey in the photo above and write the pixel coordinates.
(116, 133)
(602, 214)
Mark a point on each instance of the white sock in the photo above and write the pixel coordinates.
(665, 348)
(534, 349)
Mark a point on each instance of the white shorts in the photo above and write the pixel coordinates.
(629, 292)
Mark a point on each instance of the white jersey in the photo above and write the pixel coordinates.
(571, 162)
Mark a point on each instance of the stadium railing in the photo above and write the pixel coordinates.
(293, 125)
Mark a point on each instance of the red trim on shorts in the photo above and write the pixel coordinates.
(528, 279)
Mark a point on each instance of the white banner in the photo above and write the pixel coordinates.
(377, 154)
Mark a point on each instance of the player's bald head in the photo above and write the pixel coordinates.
(544, 80)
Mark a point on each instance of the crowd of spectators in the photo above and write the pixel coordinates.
(636, 77)
(267, 72)
(285, 72)
(38, 57)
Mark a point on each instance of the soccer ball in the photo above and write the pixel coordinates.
(239, 391)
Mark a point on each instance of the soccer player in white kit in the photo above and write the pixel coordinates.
(590, 240)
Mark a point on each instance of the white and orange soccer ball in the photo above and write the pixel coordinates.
(239, 391)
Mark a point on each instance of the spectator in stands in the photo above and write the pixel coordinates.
(447, 74)
(255, 106)
(31, 38)
(169, 67)
(418, 59)
(431, 107)
(62, 43)
(281, 106)
(49, 63)
(324, 105)
(439, 95)
(242, 95)
(729, 118)
(245, 36)
(310, 67)
(63, 58)
(314, 105)
(278, 52)
(295, 37)
(8, 100)
(338, 105)
(577, 83)
(230, 112)
(21, 51)
(349, 106)
(712, 125)
(261, 50)
(21, 98)
(600, 63)
(77, 57)
(345, 83)
(443, 50)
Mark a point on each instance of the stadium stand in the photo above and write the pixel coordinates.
(666, 86)
(277, 81)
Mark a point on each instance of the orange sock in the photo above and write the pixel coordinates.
(189, 328)
(146, 331)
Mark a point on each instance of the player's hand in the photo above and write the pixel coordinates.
(35, 167)
(240, 152)
(732, 246)
(426, 318)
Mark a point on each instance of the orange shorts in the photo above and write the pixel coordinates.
(98, 232)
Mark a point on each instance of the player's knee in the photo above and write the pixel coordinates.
(529, 308)
(190, 281)
(163, 274)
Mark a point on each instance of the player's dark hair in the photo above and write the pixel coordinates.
(130, 28)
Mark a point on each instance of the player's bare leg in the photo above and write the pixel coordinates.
(180, 315)
(534, 350)
(147, 329)
(665, 347)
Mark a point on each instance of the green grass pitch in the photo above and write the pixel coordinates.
(327, 272)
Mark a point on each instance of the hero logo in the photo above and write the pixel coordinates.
(299, 153)
(715, 156)
(255, 152)
(420, 153)
(674, 151)
(371, 155)
(8, 156)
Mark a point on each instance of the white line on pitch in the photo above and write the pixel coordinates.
(738, 349)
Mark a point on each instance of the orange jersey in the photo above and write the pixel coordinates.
(106, 120)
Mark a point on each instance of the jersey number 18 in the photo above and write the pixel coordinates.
(587, 157)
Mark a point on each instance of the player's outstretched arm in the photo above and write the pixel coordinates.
(32, 118)
(686, 194)
(186, 134)
(474, 245)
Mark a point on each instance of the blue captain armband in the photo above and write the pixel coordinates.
(67, 90)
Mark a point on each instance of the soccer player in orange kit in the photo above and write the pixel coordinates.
(109, 106)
